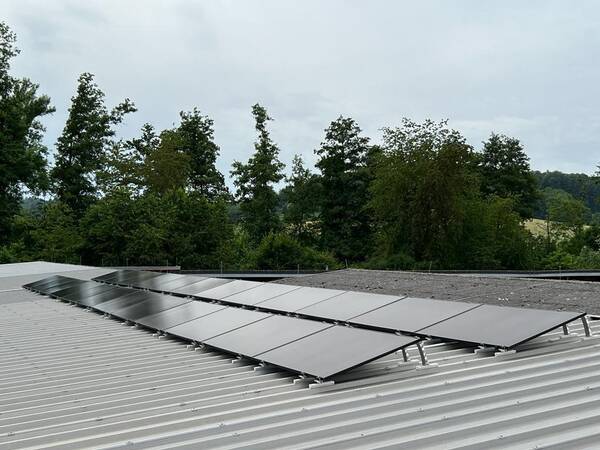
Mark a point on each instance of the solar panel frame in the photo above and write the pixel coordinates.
(170, 284)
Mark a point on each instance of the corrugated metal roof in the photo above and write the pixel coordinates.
(70, 378)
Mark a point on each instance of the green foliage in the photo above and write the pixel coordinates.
(176, 227)
(255, 179)
(505, 172)
(344, 158)
(424, 199)
(579, 185)
(22, 155)
(278, 251)
(83, 143)
(196, 139)
(301, 210)
(56, 236)
(424, 183)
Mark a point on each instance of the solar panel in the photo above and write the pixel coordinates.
(102, 297)
(412, 314)
(37, 283)
(106, 277)
(299, 298)
(225, 290)
(168, 284)
(152, 304)
(499, 326)
(200, 286)
(260, 293)
(86, 289)
(267, 334)
(40, 285)
(185, 280)
(178, 315)
(134, 277)
(60, 285)
(156, 282)
(335, 350)
(217, 323)
(123, 301)
(347, 305)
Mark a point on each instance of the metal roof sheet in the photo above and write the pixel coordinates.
(70, 378)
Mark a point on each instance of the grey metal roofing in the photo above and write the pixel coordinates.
(70, 378)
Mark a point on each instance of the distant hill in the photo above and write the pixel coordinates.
(579, 185)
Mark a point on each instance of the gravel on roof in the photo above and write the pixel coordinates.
(527, 293)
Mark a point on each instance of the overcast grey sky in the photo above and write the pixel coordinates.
(526, 69)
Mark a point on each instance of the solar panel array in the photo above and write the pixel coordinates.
(474, 323)
(306, 346)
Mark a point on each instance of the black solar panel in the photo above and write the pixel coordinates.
(499, 326)
(85, 289)
(215, 324)
(132, 297)
(178, 315)
(260, 293)
(60, 285)
(225, 290)
(152, 304)
(200, 286)
(267, 334)
(412, 314)
(335, 350)
(298, 299)
(345, 306)
(40, 285)
(156, 283)
(104, 296)
(182, 281)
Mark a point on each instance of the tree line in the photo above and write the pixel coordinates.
(424, 198)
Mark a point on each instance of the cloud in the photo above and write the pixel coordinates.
(524, 69)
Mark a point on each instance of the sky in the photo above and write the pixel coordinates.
(526, 69)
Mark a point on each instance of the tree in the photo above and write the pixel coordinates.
(565, 217)
(167, 167)
(255, 179)
(81, 147)
(196, 136)
(278, 251)
(345, 178)
(505, 172)
(123, 163)
(301, 212)
(22, 155)
(424, 181)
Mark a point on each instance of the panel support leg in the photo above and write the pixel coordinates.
(404, 355)
(586, 326)
(422, 353)
(565, 330)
